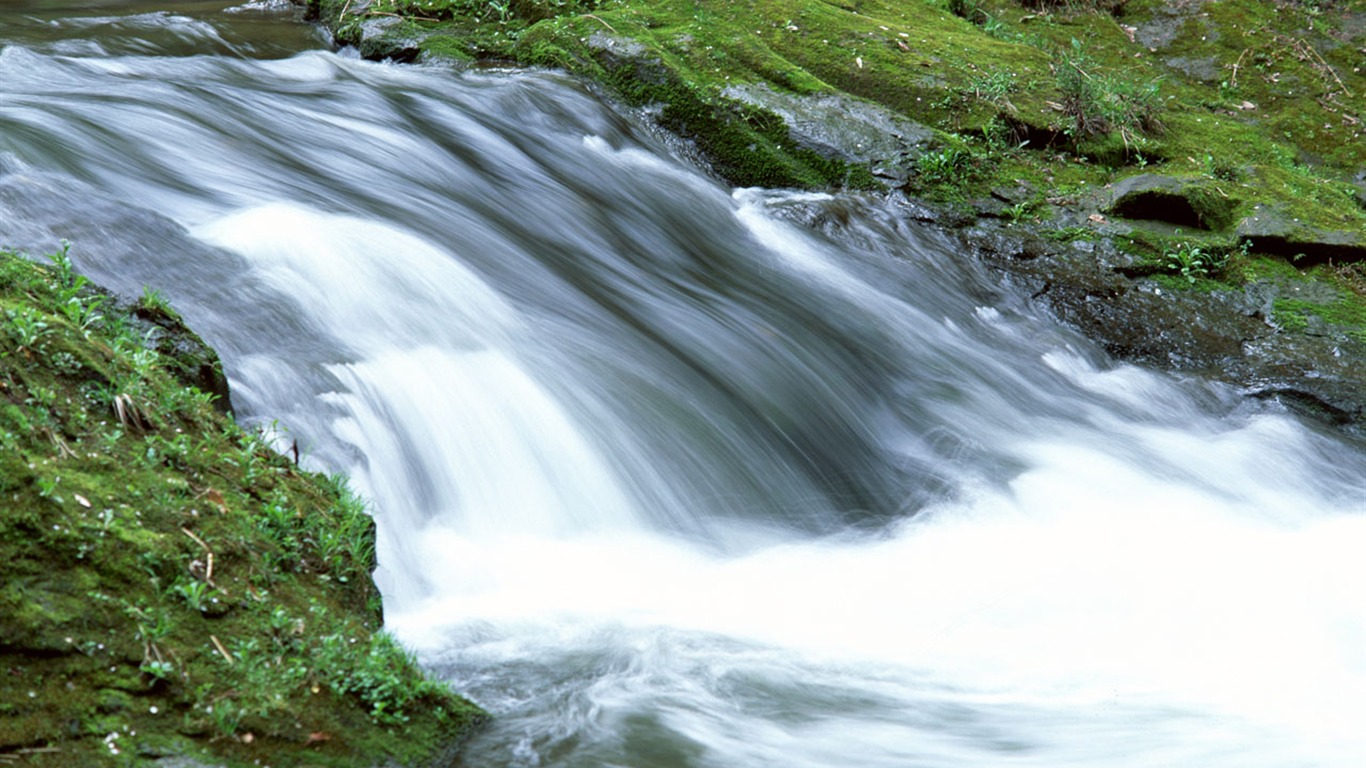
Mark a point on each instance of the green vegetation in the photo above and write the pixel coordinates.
(1100, 104)
(1323, 299)
(172, 586)
(1194, 263)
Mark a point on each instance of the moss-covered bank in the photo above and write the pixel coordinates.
(171, 586)
(1219, 145)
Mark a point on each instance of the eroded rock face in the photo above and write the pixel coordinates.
(1268, 230)
(1193, 203)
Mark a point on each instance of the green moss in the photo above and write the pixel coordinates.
(171, 585)
(1070, 234)
(1347, 317)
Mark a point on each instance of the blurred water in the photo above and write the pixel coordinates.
(664, 478)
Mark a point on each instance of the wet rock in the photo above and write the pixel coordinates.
(1013, 195)
(844, 128)
(1183, 202)
(989, 207)
(1268, 230)
(388, 37)
(1165, 25)
(1223, 335)
(627, 58)
(621, 47)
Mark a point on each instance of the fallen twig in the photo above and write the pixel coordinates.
(400, 16)
(197, 540)
(1233, 81)
(227, 656)
(600, 21)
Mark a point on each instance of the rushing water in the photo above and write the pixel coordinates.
(669, 474)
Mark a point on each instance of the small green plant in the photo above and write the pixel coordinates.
(226, 715)
(347, 545)
(947, 166)
(503, 8)
(47, 488)
(1070, 234)
(379, 672)
(83, 312)
(68, 283)
(994, 87)
(153, 302)
(158, 668)
(995, 27)
(1218, 170)
(65, 363)
(26, 326)
(1194, 263)
(195, 593)
(1019, 211)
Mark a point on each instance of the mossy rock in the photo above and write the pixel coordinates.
(1183, 202)
(168, 584)
(1271, 230)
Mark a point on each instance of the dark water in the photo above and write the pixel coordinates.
(669, 474)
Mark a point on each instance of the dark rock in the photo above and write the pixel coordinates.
(1012, 195)
(1222, 335)
(989, 207)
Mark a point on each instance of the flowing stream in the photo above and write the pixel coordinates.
(669, 474)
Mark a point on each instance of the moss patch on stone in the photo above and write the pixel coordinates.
(173, 587)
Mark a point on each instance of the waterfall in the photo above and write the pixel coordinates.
(664, 477)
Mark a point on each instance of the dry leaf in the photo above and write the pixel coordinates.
(83, 501)
(216, 498)
(1097, 218)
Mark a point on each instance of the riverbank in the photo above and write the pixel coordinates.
(174, 588)
(1181, 180)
